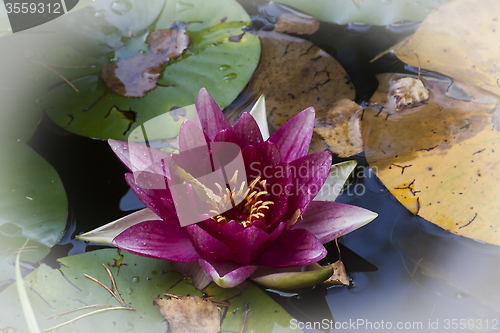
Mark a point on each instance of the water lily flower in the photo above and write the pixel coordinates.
(267, 218)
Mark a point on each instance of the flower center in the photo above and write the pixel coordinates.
(250, 208)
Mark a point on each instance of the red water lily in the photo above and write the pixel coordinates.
(273, 223)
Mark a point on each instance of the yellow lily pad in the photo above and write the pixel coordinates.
(459, 39)
(440, 158)
(293, 74)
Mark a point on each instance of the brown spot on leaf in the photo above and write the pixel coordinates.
(135, 76)
(169, 42)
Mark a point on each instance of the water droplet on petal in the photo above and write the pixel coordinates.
(224, 67)
(136, 279)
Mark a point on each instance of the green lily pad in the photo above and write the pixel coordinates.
(33, 205)
(139, 280)
(378, 12)
(215, 59)
(20, 114)
(97, 29)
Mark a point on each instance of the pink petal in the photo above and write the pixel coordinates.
(191, 136)
(225, 232)
(279, 186)
(255, 164)
(327, 220)
(247, 131)
(139, 157)
(209, 115)
(296, 247)
(159, 201)
(270, 152)
(227, 274)
(248, 244)
(294, 137)
(309, 173)
(227, 135)
(209, 247)
(157, 239)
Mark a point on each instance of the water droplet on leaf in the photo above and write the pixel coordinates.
(230, 77)
(121, 7)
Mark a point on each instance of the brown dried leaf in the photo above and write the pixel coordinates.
(293, 23)
(135, 76)
(293, 74)
(338, 128)
(339, 276)
(190, 314)
(169, 42)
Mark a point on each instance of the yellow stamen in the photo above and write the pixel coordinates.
(233, 180)
(260, 193)
(255, 181)
(220, 188)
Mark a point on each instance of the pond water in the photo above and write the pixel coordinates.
(407, 274)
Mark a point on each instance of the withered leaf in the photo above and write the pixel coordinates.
(338, 129)
(190, 314)
(339, 276)
(293, 74)
(135, 76)
(169, 42)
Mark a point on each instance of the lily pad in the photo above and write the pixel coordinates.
(99, 28)
(20, 114)
(294, 74)
(453, 42)
(33, 205)
(438, 158)
(212, 61)
(139, 280)
(378, 12)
